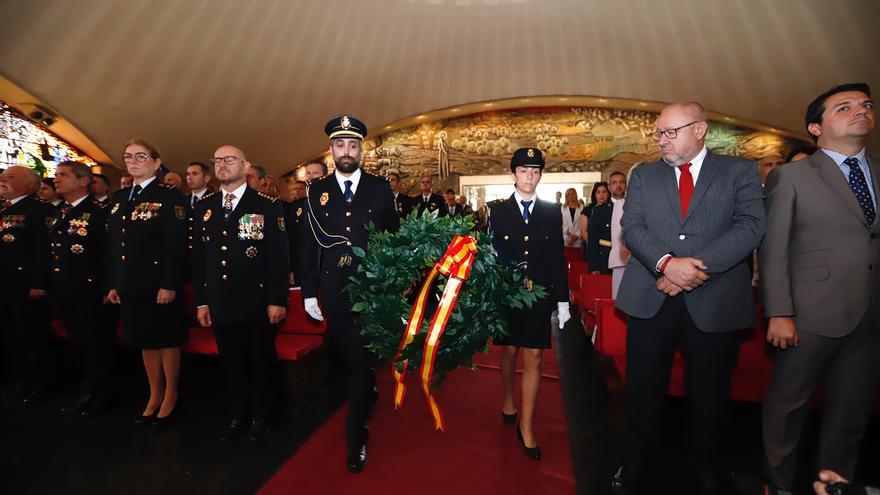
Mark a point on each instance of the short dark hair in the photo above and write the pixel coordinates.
(103, 178)
(450, 191)
(807, 150)
(79, 170)
(301, 182)
(817, 107)
(206, 170)
(617, 172)
(261, 172)
(394, 174)
(49, 182)
(317, 162)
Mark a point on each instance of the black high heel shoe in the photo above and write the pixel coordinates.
(533, 452)
(145, 420)
(508, 418)
(167, 420)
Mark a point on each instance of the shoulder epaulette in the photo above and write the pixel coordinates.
(99, 204)
(271, 198)
(206, 196)
(166, 186)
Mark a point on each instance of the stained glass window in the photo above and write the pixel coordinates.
(23, 142)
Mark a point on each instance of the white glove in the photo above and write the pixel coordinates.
(564, 314)
(311, 306)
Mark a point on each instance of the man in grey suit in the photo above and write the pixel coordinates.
(820, 289)
(691, 221)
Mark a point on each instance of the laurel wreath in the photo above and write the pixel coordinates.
(391, 270)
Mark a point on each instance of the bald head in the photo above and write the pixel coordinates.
(18, 180)
(230, 166)
(681, 132)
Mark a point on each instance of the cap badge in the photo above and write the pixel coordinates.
(531, 153)
(346, 123)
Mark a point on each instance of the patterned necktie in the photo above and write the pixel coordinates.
(859, 186)
(348, 193)
(227, 205)
(685, 188)
(525, 205)
(65, 209)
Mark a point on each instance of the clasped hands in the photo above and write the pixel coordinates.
(682, 274)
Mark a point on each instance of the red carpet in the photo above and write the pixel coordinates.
(477, 454)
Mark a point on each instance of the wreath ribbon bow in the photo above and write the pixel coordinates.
(456, 263)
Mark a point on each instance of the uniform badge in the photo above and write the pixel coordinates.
(346, 123)
(299, 212)
(207, 216)
(77, 249)
(325, 197)
(529, 284)
(50, 221)
(115, 207)
(531, 153)
(281, 225)
(180, 212)
(344, 261)
(7, 238)
(250, 252)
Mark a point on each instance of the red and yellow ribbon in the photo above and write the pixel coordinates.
(456, 263)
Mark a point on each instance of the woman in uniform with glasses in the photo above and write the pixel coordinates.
(147, 235)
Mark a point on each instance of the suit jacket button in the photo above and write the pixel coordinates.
(348, 229)
(223, 248)
(224, 277)
(57, 270)
(348, 213)
(525, 253)
(122, 257)
(223, 263)
(225, 233)
(526, 238)
(681, 237)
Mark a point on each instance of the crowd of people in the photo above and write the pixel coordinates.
(684, 238)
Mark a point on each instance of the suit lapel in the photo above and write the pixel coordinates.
(831, 174)
(667, 176)
(704, 180)
(360, 194)
(241, 207)
(872, 165)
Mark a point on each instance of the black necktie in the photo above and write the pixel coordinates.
(65, 209)
(526, 205)
(859, 186)
(135, 191)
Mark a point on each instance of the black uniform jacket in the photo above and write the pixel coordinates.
(435, 203)
(147, 240)
(240, 265)
(24, 246)
(536, 247)
(78, 244)
(336, 225)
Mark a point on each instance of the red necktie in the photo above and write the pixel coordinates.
(685, 188)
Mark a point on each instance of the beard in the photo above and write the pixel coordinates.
(346, 164)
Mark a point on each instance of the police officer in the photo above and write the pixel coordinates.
(78, 242)
(403, 204)
(24, 271)
(428, 200)
(147, 250)
(298, 229)
(339, 208)
(240, 267)
(527, 234)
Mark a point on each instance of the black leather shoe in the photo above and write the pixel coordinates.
(74, 408)
(94, 407)
(357, 457)
(166, 421)
(533, 452)
(508, 418)
(626, 479)
(34, 397)
(232, 430)
(257, 431)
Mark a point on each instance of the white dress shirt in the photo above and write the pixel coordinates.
(238, 192)
(355, 180)
(519, 198)
(16, 200)
(696, 165)
(143, 185)
(78, 201)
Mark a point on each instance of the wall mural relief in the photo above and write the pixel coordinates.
(573, 140)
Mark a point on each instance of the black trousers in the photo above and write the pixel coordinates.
(848, 367)
(709, 360)
(247, 352)
(93, 343)
(354, 365)
(26, 342)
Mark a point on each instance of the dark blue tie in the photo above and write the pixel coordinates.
(348, 194)
(135, 191)
(525, 205)
(859, 186)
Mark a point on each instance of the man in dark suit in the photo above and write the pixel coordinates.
(820, 289)
(24, 271)
(100, 188)
(240, 267)
(691, 221)
(527, 233)
(78, 242)
(403, 204)
(339, 208)
(451, 205)
(428, 200)
(298, 231)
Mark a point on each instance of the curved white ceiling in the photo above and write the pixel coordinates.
(190, 75)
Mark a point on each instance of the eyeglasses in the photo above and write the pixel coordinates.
(140, 157)
(229, 160)
(670, 133)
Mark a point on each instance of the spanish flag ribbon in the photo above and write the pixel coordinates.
(456, 263)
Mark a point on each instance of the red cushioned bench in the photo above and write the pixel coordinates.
(575, 270)
(593, 287)
(298, 335)
(752, 374)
